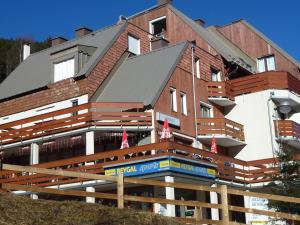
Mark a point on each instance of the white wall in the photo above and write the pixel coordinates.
(251, 110)
(47, 108)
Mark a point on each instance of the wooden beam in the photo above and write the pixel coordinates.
(168, 184)
(171, 202)
(263, 195)
(59, 172)
(265, 212)
(60, 192)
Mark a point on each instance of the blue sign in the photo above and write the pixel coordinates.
(160, 166)
(171, 119)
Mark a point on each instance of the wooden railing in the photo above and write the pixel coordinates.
(287, 128)
(228, 168)
(220, 89)
(265, 81)
(90, 114)
(220, 126)
(120, 197)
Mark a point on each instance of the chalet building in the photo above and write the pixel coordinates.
(67, 107)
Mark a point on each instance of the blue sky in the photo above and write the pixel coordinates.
(279, 20)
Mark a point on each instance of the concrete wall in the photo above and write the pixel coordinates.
(251, 110)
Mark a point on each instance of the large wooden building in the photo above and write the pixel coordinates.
(228, 82)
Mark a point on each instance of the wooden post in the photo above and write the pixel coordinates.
(120, 190)
(225, 210)
(198, 215)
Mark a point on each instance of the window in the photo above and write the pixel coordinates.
(75, 103)
(215, 75)
(64, 69)
(173, 99)
(183, 103)
(205, 110)
(134, 45)
(266, 63)
(158, 26)
(197, 68)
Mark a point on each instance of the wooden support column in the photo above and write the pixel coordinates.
(120, 191)
(198, 215)
(225, 210)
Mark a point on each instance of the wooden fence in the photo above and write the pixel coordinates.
(287, 128)
(264, 81)
(221, 126)
(82, 116)
(121, 182)
(228, 168)
(222, 89)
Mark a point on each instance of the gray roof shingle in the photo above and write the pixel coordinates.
(35, 72)
(142, 78)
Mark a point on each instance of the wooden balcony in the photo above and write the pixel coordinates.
(288, 131)
(227, 133)
(228, 168)
(220, 93)
(102, 116)
(264, 81)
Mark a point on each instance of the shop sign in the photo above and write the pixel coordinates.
(160, 166)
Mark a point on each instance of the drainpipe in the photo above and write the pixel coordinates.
(194, 93)
(270, 123)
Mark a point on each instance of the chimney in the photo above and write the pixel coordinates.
(82, 31)
(200, 22)
(162, 2)
(158, 42)
(26, 51)
(57, 41)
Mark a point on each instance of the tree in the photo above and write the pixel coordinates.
(287, 181)
(11, 52)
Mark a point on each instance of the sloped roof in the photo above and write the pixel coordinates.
(230, 52)
(142, 78)
(273, 44)
(36, 71)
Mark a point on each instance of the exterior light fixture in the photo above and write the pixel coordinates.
(285, 107)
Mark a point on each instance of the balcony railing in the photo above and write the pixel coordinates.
(287, 128)
(220, 126)
(82, 116)
(220, 90)
(228, 168)
(265, 81)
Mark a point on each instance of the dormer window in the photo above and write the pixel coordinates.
(64, 69)
(66, 63)
(158, 26)
(134, 45)
(266, 63)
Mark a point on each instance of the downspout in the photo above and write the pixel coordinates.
(194, 93)
(270, 124)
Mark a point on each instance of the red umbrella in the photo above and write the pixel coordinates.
(124, 140)
(214, 148)
(166, 134)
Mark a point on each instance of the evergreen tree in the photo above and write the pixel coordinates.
(287, 181)
(11, 53)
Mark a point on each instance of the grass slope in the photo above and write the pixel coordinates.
(24, 211)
